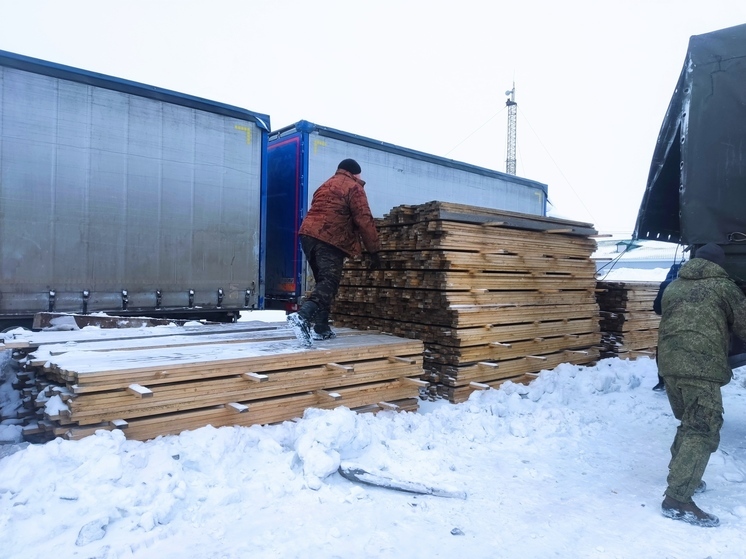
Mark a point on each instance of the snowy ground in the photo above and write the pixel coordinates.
(572, 466)
(631, 274)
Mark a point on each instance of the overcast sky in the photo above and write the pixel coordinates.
(593, 78)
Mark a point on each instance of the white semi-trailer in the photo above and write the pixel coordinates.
(302, 156)
(125, 198)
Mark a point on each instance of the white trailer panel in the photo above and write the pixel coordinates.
(120, 197)
(401, 177)
(302, 156)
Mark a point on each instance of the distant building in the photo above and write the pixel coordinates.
(623, 252)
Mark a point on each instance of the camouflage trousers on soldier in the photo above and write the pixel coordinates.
(698, 404)
(326, 263)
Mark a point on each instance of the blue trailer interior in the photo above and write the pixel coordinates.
(286, 168)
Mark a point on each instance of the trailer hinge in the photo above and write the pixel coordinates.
(220, 298)
(52, 295)
(191, 298)
(125, 299)
(158, 298)
(86, 295)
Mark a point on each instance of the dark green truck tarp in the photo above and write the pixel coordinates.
(696, 189)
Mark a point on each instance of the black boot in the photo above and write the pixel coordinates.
(301, 321)
(321, 329)
(661, 385)
(308, 310)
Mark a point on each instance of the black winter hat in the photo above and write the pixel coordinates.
(712, 252)
(350, 165)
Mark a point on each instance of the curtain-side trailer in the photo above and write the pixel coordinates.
(302, 156)
(696, 188)
(124, 198)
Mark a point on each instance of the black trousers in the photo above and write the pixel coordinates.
(326, 263)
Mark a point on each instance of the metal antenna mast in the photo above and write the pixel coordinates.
(512, 110)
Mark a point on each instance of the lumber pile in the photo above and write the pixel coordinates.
(164, 380)
(629, 326)
(493, 295)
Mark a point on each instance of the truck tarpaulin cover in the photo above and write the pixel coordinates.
(696, 189)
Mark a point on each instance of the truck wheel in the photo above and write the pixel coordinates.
(8, 325)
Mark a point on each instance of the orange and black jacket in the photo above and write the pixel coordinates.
(340, 215)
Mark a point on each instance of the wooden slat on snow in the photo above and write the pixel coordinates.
(150, 386)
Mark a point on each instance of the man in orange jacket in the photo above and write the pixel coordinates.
(337, 221)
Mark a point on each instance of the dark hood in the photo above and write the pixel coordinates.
(699, 268)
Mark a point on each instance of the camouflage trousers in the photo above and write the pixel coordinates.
(698, 404)
(326, 263)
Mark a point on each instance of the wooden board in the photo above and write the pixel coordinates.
(628, 322)
(162, 385)
(259, 413)
(105, 406)
(476, 285)
(25, 339)
(165, 365)
(480, 372)
(46, 353)
(466, 316)
(537, 346)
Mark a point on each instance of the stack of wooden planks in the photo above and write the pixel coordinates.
(493, 295)
(629, 327)
(164, 380)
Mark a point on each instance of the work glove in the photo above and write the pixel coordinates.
(375, 261)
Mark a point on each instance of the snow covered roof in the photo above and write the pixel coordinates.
(628, 250)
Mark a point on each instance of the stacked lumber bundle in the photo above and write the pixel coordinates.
(629, 327)
(493, 295)
(159, 381)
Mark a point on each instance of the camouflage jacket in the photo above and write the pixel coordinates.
(700, 310)
(340, 215)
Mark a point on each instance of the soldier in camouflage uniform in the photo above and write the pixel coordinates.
(337, 221)
(700, 310)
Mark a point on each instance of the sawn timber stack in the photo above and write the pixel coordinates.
(158, 381)
(629, 326)
(493, 295)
